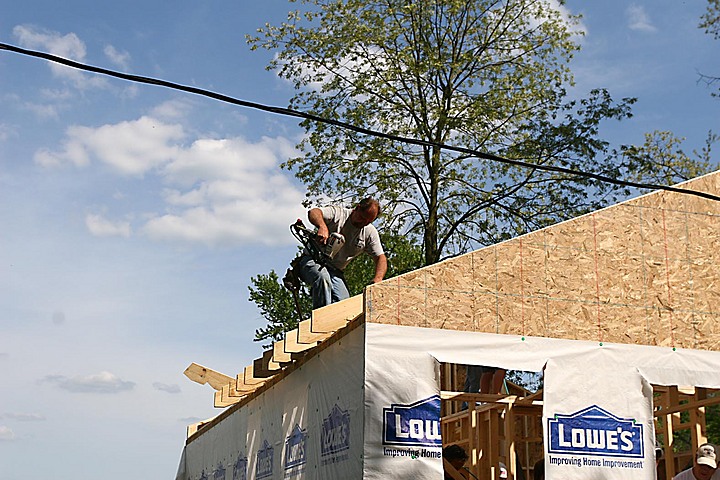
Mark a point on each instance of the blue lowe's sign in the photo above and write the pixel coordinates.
(264, 465)
(240, 468)
(335, 435)
(415, 425)
(594, 431)
(295, 447)
(219, 473)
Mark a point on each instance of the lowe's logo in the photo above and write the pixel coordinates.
(240, 468)
(219, 473)
(594, 431)
(335, 432)
(295, 447)
(416, 424)
(264, 465)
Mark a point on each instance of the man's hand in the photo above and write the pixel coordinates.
(316, 218)
(323, 234)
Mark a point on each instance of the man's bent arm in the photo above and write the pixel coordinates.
(380, 268)
(316, 218)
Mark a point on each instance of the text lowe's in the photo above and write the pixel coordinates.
(416, 424)
(594, 431)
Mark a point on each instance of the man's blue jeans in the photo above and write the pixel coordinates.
(326, 284)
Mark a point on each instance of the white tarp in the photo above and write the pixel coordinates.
(402, 416)
(597, 421)
(400, 375)
(659, 365)
(307, 426)
(368, 405)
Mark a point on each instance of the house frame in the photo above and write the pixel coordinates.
(639, 276)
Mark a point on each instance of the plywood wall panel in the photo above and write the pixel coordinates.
(646, 271)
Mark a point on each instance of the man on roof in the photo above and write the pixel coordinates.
(327, 282)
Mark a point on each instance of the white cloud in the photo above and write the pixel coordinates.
(171, 110)
(174, 388)
(26, 417)
(130, 148)
(217, 192)
(6, 434)
(118, 58)
(103, 382)
(638, 19)
(101, 227)
(67, 46)
(6, 132)
(40, 110)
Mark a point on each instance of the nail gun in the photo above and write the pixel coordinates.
(321, 253)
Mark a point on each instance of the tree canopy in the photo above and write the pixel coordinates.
(489, 75)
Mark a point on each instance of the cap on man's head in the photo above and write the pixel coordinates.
(706, 455)
(503, 470)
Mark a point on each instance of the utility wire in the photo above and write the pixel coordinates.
(348, 126)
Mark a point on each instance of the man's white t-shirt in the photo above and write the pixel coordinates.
(357, 240)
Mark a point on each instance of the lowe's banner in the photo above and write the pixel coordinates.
(597, 429)
(402, 410)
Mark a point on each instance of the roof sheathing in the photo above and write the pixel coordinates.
(643, 271)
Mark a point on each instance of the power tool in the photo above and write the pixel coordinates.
(322, 254)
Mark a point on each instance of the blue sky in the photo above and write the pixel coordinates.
(133, 216)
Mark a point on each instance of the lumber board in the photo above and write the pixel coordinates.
(336, 315)
(306, 335)
(279, 353)
(224, 401)
(202, 375)
(292, 345)
(264, 367)
(249, 377)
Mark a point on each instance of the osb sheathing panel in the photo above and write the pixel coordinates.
(646, 271)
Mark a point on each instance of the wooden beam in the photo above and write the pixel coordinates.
(202, 375)
(222, 401)
(279, 353)
(306, 335)
(264, 367)
(241, 387)
(293, 346)
(246, 382)
(336, 315)
(194, 427)
(249, 377)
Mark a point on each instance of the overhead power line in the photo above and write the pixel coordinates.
(348, 126)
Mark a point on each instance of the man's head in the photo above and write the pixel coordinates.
(456, 455)
(502, 471)
(365, 212)
(705, 462)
